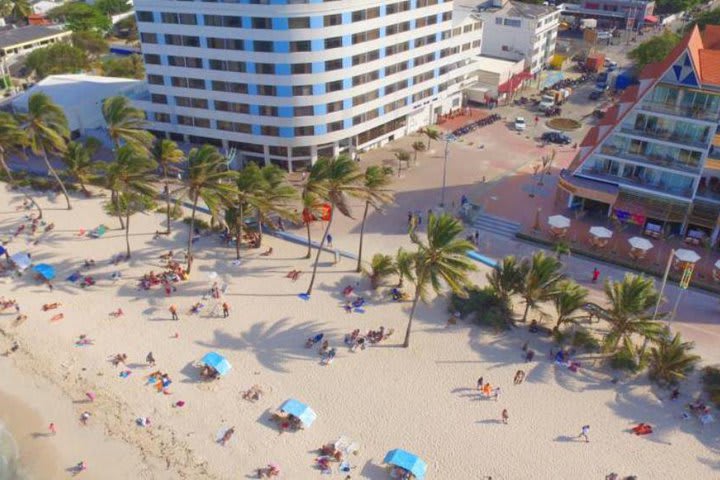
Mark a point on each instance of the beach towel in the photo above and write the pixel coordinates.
(74, 277)
(125, 374)
(304, 296)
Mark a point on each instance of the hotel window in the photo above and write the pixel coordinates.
(268, 111)
(334, 106)
(270, 131)
(334, 86)
(336, 64)
(262, 23)
(299, 22)
(265, 68)
(302, 90)
(152, 59)
(334, 42)
(155, 79)
(304, 132)
(332, 20)
(149, 37)
(267, 90)
(301, 68)
(306, 111)
(335, 126)
(162, 117)
(145, 17)
(263, 46)
(301, 46)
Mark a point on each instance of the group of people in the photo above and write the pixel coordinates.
(161, 381)
(174, 273)
(357, 341)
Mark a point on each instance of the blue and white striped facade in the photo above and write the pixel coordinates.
(287, 81)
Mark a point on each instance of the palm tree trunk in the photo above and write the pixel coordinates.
(309, 252)
(259, 227)
(52, 172)
(362, 231)
(525, 314)
(415, 159)
(190, 233)
(127, 232)
(167, 199)
(239, 230)
(322, 242)
(116, 201)
(406, 343)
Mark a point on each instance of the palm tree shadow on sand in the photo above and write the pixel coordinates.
(274, 345)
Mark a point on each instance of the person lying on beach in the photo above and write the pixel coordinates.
(50, 227)
(642, 429)
(118, 359)
(347, 291)
(14, 348)
(89, 263)
(324, 347)
(327, 358)
(267, 252)
(227, 436)
(117, 313)
(19, 320)
(293, 275)
(253, 394)
(87, 282)
(197, 306)
(84, 340)
(57, 317)
(271, 470)
(310, 342)
(167, 256)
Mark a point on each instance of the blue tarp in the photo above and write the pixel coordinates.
(2, 250)
(306, 414)
(408, 461)
(216, 361)
(625, 79)
(47, 271)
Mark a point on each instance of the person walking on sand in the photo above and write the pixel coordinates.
(480, 383)
(328, 238)
(585, 433)
(505, 416)
(519, 377)
(595, 275)
(53, 429)
(496, 394)
(226, 310)
(150, 359)
(84, 417)
(173, 312)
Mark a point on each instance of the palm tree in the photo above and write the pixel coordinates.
(431, 133)
(208, 180)
(167, 155)
(507, 277)
(79, 164)
(376, 194)
(671, 360)
(418, 146)
(402, 156)
(569, 298)
(442, 259)
(276, 197)
(130, 175)
(248, 183)
(543, 275)
(312, 208)
(632, 302)
(47, 132)
(12, 141)
(381, 267)
(126, 124)
(335, 180)
(127, 205)
(20, 9)
(404, 265)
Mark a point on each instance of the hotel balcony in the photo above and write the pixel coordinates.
(653, 160)
(639, 182)
(686, 112)
(667, 136)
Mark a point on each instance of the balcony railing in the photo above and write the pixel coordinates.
(653, 160)
(708, 194)
(639, 182)
(685, 112)
(666, 136)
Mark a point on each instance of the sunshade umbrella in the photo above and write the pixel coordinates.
(601, 232)
(47, 271)
(408, 461)
(212, 275)
(298, 409)
(559, 221)
(21, 260)
(640, 243)
(216, 361)
(685, 255)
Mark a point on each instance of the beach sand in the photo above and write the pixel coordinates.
(421, 399)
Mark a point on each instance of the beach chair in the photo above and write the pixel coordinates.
(98, 232)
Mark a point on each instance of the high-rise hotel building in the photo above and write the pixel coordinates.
(288, 81)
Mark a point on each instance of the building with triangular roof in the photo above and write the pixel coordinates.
(654, 158)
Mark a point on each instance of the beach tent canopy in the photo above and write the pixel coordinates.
(47, 271)
(408, 461)
(21, 260)
(298, 409)
(685, 255)
(216, 361)
(3, 250)
(640, 243)
(559, 221)
(601, 232)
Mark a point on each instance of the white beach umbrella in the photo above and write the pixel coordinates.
(212, 275)
(559, 221)
(717, 264)
(601, 232)
(685, 255)
(640, 243)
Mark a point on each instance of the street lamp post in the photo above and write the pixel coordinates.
(448, 138)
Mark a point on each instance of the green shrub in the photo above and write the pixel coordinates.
(484, 307)
(42, 184)
(711, 383)
(624, 360)
(584, 339)
(200, 224)
(176, 211)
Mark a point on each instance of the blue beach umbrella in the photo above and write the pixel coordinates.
(216, 361)
(408, 461)
(298, 409)
(45, 270)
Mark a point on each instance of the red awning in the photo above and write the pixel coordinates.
(514, 82)
(651, 19)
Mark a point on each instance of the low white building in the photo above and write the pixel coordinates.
(514, 31)
(497, 80)
(81, 97)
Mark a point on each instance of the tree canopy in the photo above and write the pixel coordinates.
(57, 59)
(711, 17)
(91, 42)
(113, 7)
(674, 6)
(126, 67)
(81, 17)
(654, 50)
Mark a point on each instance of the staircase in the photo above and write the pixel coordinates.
(497, 225)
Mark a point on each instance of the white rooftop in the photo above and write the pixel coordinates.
(496, 65)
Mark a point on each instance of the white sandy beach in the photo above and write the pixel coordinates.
(421, 399)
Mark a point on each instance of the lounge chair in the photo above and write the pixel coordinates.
(98, 232)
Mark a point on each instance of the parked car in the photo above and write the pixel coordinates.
(555, 137)
(520, 124)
